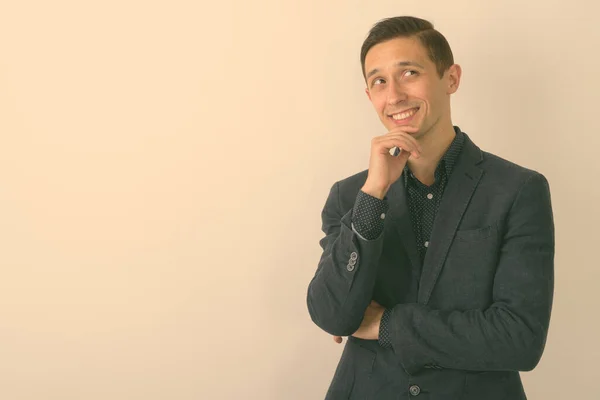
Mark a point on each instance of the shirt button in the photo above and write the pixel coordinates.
(414, 390)
(350, 267)
(353, 255)
(426, 244)
(430, 196)
(382, 216)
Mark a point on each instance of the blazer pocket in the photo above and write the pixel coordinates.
(471, 235)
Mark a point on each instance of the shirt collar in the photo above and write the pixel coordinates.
(450, 156)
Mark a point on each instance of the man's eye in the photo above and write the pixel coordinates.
(377, 80)
(413, 72)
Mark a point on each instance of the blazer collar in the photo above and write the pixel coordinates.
(460, 188)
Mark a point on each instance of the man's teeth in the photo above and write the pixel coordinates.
(405, 114)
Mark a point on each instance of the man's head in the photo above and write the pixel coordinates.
(410, 74)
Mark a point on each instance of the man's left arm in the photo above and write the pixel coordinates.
(511, 333)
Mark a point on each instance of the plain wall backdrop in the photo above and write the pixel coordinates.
(163, 166)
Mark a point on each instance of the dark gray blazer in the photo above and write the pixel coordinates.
(471, 316)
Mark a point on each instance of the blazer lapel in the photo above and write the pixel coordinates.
(399, 212)
(459, 190)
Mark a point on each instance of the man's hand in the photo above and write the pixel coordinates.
(369, 327)
(385, 169)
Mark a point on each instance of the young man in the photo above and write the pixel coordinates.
(438, 261)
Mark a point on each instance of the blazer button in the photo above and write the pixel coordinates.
(350, 267)
(414, 390)
(352, 262)
(353, 255)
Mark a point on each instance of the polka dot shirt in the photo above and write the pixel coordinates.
(423, 201)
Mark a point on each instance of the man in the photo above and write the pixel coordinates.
(438, 261)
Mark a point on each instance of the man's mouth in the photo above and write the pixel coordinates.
(404, 114)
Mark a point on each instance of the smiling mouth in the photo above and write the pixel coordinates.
(404, 115)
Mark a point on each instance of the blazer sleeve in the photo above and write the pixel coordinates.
(342, 286)
(511, 333)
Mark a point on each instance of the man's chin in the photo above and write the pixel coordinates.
(410, 129)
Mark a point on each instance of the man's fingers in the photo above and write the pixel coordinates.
(402, 136)
(337, 339)
(402, 143)
(375, 304)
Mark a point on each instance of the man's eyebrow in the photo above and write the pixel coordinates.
(399, 64)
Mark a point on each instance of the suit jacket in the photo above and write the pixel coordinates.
(471, 316)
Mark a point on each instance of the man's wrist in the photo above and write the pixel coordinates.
(374, 191)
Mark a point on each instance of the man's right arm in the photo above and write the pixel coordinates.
(342, 286)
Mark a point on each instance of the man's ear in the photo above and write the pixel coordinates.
(368, 94)
(453, 74)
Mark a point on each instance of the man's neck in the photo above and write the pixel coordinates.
(435, 144)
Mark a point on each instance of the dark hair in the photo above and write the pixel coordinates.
(390, 28)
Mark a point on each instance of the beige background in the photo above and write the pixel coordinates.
(163, 166)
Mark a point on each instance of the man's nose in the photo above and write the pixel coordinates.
(396, 93)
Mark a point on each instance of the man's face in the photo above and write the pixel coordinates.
(405, 88)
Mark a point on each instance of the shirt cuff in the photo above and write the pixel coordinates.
(384, 330)
(368, 215)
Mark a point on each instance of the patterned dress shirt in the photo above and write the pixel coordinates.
(368, 214)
